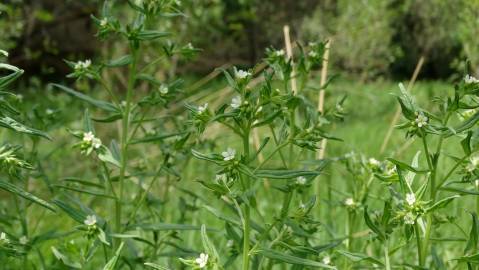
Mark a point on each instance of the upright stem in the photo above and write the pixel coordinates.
(419, 244)
(386, 255)
(124, 141)
(246, 209)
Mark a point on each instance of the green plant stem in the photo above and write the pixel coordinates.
(246, 208)
(386, 255)
(419, 244)
(124, 143)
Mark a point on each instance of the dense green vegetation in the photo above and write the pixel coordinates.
(133, 160)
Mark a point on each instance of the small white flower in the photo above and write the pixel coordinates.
(229, 154)
(202, 260)
(202, 109)
(301, 180)
(468, 79)
(349, 202)
(90, 220)
(410, 198)
(23, 240)
(221, 178)
(88, 136)
(313, 54)
(409, 218)
(49, 111)
(164, 89)
(279, 53)
(104, 22)
(236, 102)
(326, 260)
(421, 120)
(241, 74)
(83, 64)
(230, 243)
(373, 162)
(96, 142)
(3, 238)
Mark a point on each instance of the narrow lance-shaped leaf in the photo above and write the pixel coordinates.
(112, 262)
(95, 102)
(24, 194)
(290, 259)
(357, 257)
(13, 124)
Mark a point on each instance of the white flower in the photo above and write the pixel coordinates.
(409, 218)
(349, 202)
(49, 111)
(164, 89)
(229, 154)
(88, 136)
(241, 74)
(410, 198)
(83, 64)
(96, 142)
(373, 162)
(301, 180)
(313, 54)
(221, 178)
(326, 259)
(230, 243)
(236, 102)
(3, 238)
(202, 109)
(104, 22)
(23, 240)
(421, 120)
(90, 220)
(279, 53)
(202, 260)
(468, 79)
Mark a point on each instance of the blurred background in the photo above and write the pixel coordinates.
(371, 39)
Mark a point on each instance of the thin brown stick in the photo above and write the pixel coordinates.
(289, 54)
(324, 76)
(397, 114)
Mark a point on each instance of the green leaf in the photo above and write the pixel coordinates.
(466, 143)
(165, 227)
(468, 258)
(119, 62)
(373, 226)
(290, 259)
(106, 156)
(156, 266)
(405, 166)
(76, 214)
(95, 102)
(442, 203)
(207, 245)
(284, 174)
(8, 79)
(151, 34)
(357, 257)
(155, 138)
(64, 259)
(24, 194)
(86, 191)
(13, 124)
(112, 262)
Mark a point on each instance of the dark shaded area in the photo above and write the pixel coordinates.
(47, 40)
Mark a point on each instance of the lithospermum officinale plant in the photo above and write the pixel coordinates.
(414, 207)
(262, 236)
